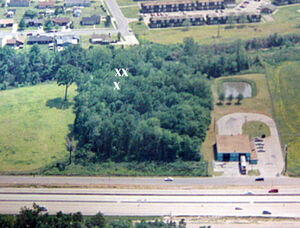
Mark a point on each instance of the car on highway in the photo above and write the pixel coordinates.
(249, 193)
(169, 179)
(259, 179)
(261, 151)
(266, 213)
(273, 190)
(238, 208)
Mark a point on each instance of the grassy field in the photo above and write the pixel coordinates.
(284, 83)
(126, 2)
(256, 129)
(33, 127)
(131, 11)
(286, 20)
(261, 103)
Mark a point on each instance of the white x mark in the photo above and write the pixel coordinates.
(116, 86)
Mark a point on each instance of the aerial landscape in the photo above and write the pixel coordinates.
(150, 113)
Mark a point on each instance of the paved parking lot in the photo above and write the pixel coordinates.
(270, 162)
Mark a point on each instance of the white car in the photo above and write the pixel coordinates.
(169, 179)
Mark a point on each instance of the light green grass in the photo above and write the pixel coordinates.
(253, 172)
(33, 130)
(131, 11)
(285, 83)
(126, 2)
(256, 129)
(286, 20)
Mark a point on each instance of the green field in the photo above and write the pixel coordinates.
(284, 82)
(131, 11)
(34, 123)
(286, 20)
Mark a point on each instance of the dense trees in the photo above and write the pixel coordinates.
(37, 217)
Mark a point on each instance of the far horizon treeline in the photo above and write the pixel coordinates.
(38, 217)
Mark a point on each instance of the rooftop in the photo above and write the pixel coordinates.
(233, 144)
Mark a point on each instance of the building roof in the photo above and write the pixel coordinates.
(40, 39)
(14, 2)
(77, 2)
(91, 19)
(49, 3)
(233, 144)
(269, 6)
(61, 20)
(253, 150)
(35, 21)
(158, 3)
(180, 17)
(6, 21)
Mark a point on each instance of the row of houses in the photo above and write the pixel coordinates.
(49, 3)
(184, 5)
(194, 20)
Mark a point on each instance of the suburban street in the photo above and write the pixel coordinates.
(154, 202)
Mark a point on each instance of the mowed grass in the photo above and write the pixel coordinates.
(261, 103)
(285, 84)
(286, 20)
(34, 123)
(256, 129)
(131, 11)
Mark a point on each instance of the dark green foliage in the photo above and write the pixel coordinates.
(30, 14)
(161, 113)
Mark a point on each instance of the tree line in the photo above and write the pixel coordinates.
(38, 217)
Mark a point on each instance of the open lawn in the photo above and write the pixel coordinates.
(261, 103)
(286, 20)
(256, 129)
(34, 122)
(131, 11)
(126, 2)
(285, 82)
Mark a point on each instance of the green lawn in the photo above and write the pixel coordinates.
(286, 20)
(33, 127)
(256, 129)
(131, 11)
(284, 83)
(126, 2)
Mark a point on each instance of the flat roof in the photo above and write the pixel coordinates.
(233, 144)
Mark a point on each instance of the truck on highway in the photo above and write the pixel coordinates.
(243, 164)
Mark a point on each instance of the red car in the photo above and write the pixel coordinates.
(273, 190)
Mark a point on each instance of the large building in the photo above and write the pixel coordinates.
(230, 148)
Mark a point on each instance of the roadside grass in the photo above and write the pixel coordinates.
(256, 129)
(34, 121)
(131, 11)
(286, 20)
(253, 172)
(261, 103)
(126, 2)
(284, 84)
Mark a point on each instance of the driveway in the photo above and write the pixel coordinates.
(270, 163)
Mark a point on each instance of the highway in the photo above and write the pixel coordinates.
(147, 181)
(154, 202)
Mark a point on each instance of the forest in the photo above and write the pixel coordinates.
(161, 111)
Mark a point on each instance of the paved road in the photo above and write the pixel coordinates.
(270, 163)
(144, 181)
(161, 203)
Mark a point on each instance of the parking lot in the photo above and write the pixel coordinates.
(270, 162)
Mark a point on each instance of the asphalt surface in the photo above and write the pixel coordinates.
(146, 181)
(158, 203)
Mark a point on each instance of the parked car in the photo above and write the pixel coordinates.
(257, 139)
(259, 179)
(169, 179)
(266, 212)
(273, 190)
(261, 151)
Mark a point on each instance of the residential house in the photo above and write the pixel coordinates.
(92, 20)
(18, 3)
(70, 3)
(61, 21)
(76, 12)
(17, 41)
(100, 39)
(6, 22)
(268, 9)
(40, 39)
(10, 13)
(46, 4)
(66, 40)
(215, 18)
(174, 21)
(34, 22)
(49, 12)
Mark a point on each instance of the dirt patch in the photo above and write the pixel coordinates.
(236, 88)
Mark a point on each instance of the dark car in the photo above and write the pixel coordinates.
(273, 190)
(266, 212)
(258, 140)
(259, 179)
